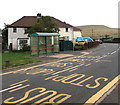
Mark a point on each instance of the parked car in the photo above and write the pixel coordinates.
(83, 40)
(100, 41)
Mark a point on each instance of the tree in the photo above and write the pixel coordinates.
(4, 37)
(5, 34)
(43, 24)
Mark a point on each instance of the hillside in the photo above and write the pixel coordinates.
(95, 31)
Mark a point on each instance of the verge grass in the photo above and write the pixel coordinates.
(17, 59)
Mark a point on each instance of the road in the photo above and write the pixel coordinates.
(83, 78)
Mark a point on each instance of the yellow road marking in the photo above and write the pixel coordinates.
(67, 67)
(19, 88)
(49, 73)
(99, 94)
(97, 61)
(51, 77)
(73, 69)
(39, 65)
(106, 60)
(85, 53)
(37, 72)
(19, 82)
(103, 61)
(43, 71)
(8, 101)
(39, 95)
(88, 64)
(79, 83)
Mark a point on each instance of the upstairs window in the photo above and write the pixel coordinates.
(14, 30)
(66, 29)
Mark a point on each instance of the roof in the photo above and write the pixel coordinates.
(45, 34)
(76, 29)
(27, 21)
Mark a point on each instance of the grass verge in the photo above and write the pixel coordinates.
(17, 59)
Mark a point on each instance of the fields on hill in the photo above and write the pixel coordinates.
(95, 31)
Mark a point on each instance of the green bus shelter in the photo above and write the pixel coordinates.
(44, 43)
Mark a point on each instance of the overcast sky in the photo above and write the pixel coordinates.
(74, 12)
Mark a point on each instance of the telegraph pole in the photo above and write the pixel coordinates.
(92, 32)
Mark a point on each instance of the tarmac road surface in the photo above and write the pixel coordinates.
(81, 79)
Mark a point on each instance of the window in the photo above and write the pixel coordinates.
(14, 30)
(66, 37)
(66, 29)
(23, 42)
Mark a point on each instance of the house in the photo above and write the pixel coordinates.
(17, 36)
(0, 32)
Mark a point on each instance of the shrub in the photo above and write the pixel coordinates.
(78, 47)
(25, 47)
(17, 50)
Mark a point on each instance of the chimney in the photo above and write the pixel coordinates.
(38, 15)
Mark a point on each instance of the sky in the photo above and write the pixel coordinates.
(74, 12)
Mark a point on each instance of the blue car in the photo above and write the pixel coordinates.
(83, 40)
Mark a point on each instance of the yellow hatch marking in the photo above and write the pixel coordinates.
(19, 82)
(97, 61)
(88, 64)
(103, 61)
(49, 73)
(19, 88)
(67, 67)
(106, 60)
(100, 93)
(73, 69)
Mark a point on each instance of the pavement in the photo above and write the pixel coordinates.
(111, 97)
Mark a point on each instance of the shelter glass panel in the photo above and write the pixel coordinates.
(34, 45)
(49, 45)
(42, 45)
(56, 44)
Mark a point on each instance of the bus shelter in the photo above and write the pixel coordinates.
(44, 43)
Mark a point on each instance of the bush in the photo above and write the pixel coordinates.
(17, 51)
(25, 47)
(114, 40)
(78, 47)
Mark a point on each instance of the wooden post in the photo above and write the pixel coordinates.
(7, 63)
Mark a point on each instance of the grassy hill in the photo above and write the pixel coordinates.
(95, 31)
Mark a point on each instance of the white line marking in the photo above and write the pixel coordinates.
(67, 69)
(10, 88)
(83, 64)
(115, 51)
(100, 58)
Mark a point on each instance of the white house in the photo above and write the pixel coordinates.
(17, 36)
(0, 32)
